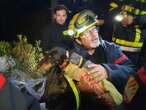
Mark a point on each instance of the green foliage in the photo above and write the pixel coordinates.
(5, 48)
(27, 55)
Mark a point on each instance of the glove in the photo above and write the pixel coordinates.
(74, 72)
(104, 89)
(97, 71)
(130, 89)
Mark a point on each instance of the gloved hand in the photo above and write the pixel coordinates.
(103, 89)
(97, 71)
(74, 72)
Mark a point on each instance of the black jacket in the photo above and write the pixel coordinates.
(53, 36)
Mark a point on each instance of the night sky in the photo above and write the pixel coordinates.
(29, 17)
(26, 17)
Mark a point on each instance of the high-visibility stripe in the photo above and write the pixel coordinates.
(130, 49)
(127, 43)
(136, 43)
(138, 35)
(134, 10)
(2, 81)
(142, 74)
(113, 5)
(128, 8)
(143, 13)
(122, 58)
(75, 91)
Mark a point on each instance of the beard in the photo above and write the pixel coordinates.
(95, 43)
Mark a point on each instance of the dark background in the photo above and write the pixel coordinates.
(29, 17)
(25, 17)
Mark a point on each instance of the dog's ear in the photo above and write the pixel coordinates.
(76, 59)
(58, 55)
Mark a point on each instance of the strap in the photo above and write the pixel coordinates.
(75, 91)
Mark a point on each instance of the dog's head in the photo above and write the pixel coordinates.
(55, 57)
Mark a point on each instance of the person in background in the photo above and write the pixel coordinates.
(129, 21)
(52, 35)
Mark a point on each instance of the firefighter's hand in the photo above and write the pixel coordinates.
(97, 71)
(127, 20)
(74, 72)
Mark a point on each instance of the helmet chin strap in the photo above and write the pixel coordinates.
(100, 40)
(78, 41)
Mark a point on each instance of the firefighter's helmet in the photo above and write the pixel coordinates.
(80, 22)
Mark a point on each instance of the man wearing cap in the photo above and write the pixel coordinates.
(109, 61)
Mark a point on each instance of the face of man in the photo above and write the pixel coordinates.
(60, 17)
(90, 38)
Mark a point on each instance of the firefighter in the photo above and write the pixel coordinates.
(129, 18)
(109, 62)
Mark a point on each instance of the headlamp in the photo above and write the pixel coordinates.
(69, 32)
(80, 22)
(119, 17)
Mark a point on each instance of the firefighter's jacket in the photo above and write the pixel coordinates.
(129, 38)
(117, 64)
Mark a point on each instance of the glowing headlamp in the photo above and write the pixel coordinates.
(119, 17)
(69, 32)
